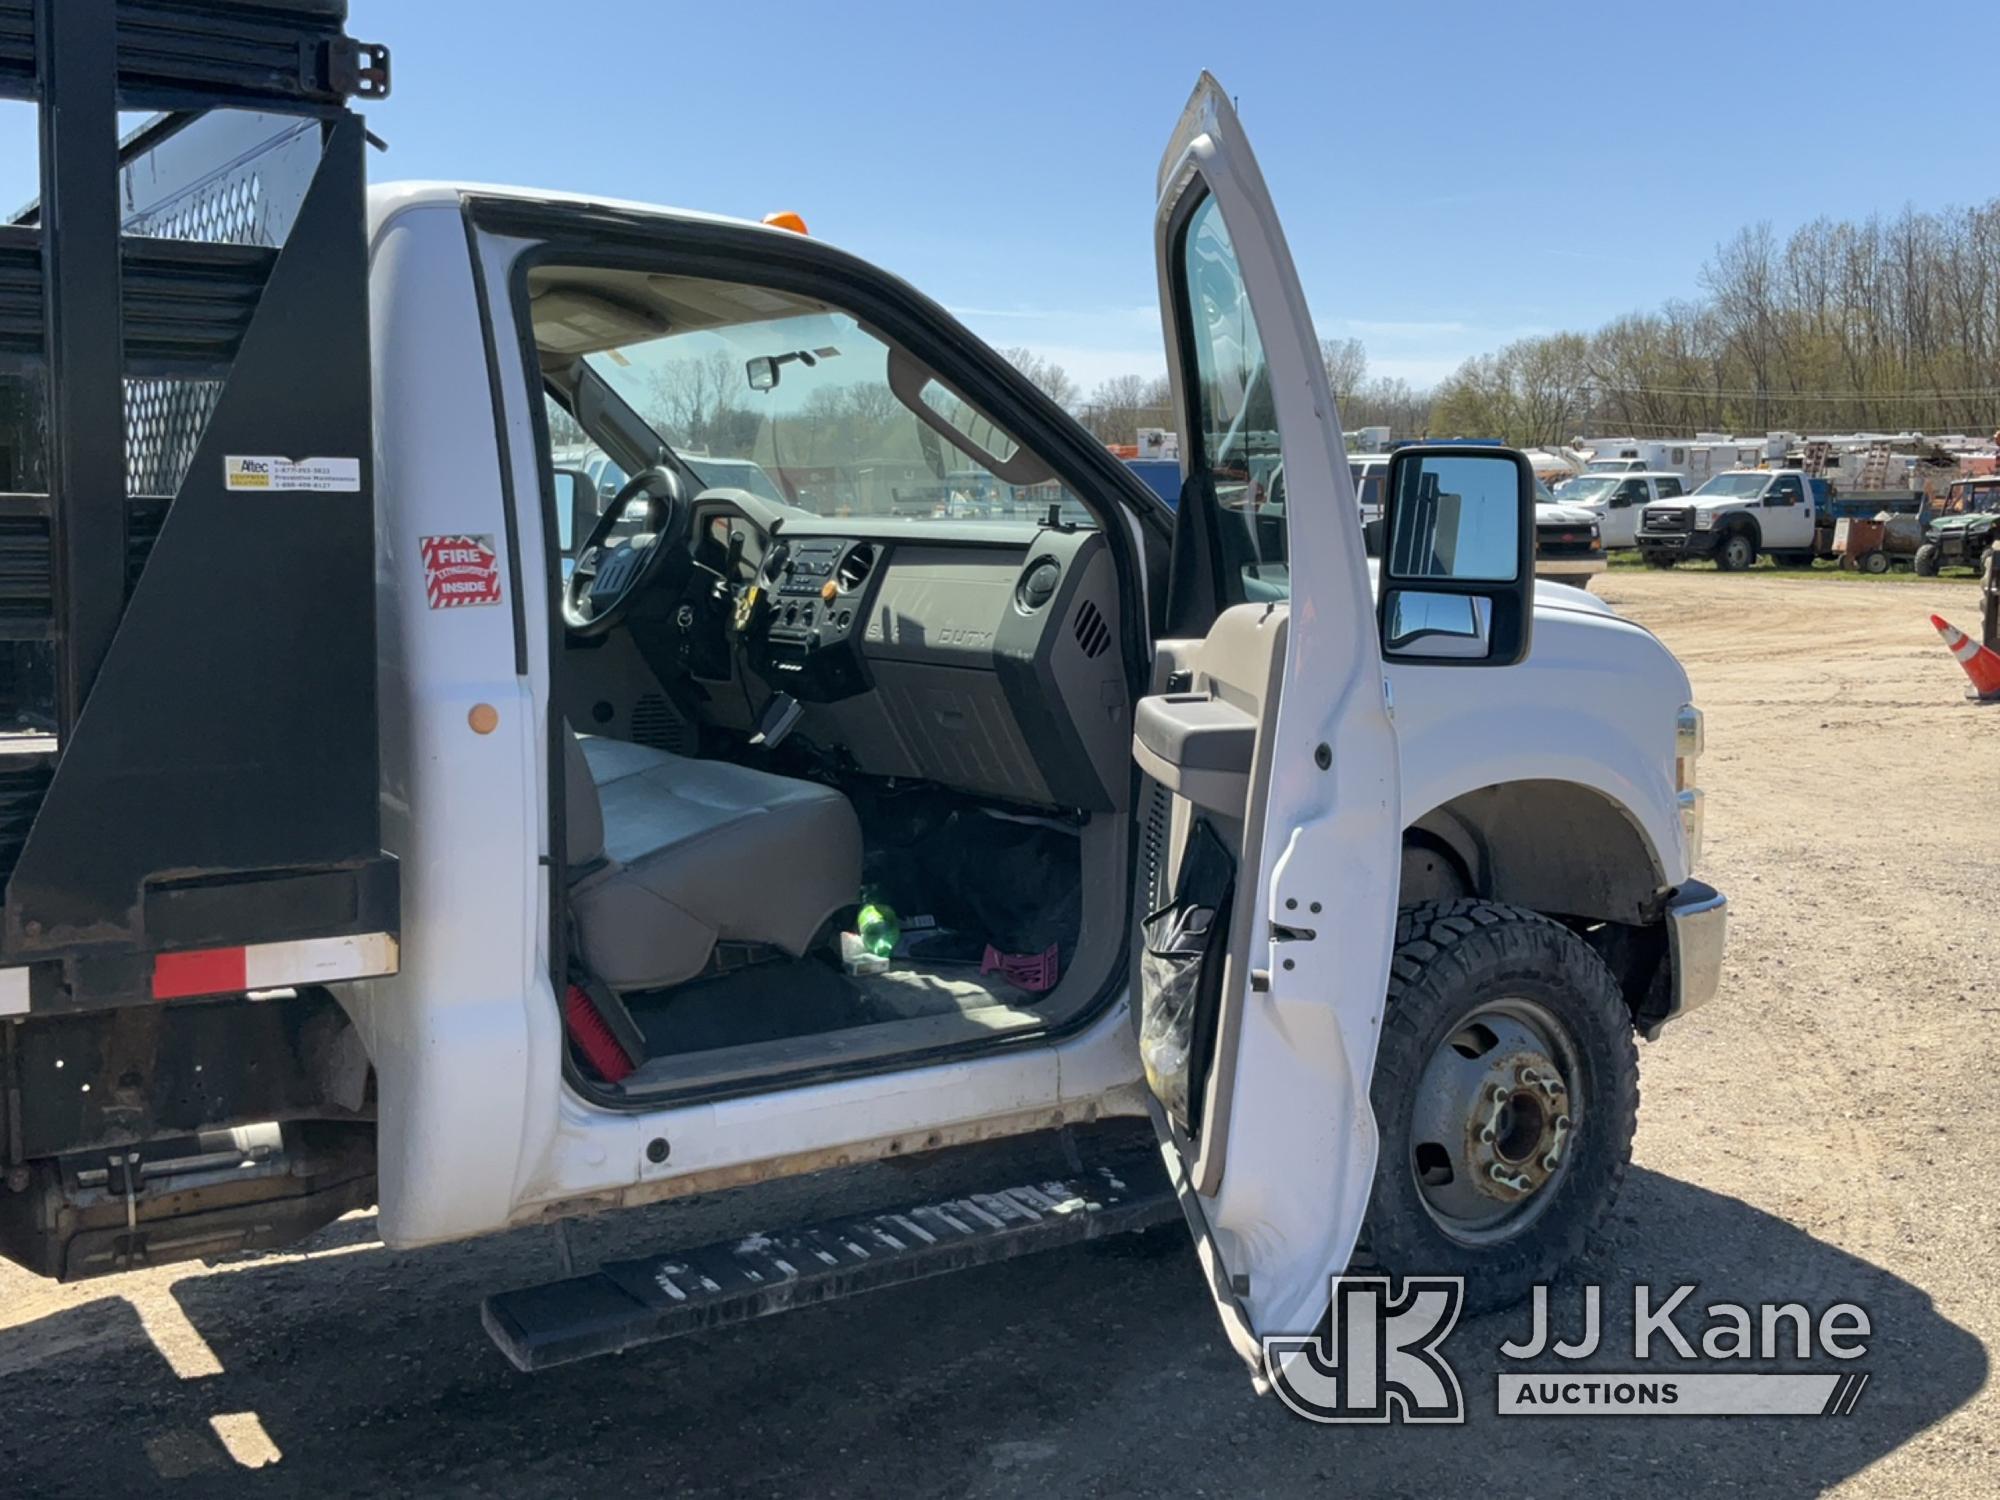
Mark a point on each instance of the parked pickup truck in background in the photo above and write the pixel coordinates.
(1568, 548)
(1616, 501)
(1739, 514)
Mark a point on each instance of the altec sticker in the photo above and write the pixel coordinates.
(268, 472)
(460, 570)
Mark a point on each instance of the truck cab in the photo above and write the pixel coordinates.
(713, 840)
(1738, 515)
(1616, 501)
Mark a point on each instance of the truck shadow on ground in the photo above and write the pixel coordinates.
(1098, 1371)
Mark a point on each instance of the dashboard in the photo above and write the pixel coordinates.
(980, 655)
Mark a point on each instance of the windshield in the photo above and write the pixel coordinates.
(1608, 466)
(799, 407)
(1979, 499)
(1745, 486)
(1579, 491)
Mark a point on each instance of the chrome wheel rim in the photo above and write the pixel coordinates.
(1495, 1121)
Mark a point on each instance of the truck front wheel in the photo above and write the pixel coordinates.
(1506, 1092)
(1737, 552)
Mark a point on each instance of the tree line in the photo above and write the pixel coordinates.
(1116, 408)
(1876, 324)
(1873, 325)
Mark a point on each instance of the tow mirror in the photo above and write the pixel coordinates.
(576, 508)
(762, 373)
(1458, 571)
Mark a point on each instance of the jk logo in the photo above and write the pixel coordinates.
(1376, 1358)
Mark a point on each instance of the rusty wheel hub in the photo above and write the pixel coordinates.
(1495, 1120)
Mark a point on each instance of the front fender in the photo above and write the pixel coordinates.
(1593, 705)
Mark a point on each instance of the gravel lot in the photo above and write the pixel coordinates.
(1829, 1130)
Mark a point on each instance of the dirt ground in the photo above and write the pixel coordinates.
(1828, 1130)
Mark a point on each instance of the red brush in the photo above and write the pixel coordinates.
(594, 1038)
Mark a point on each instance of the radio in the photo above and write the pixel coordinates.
(811, 637)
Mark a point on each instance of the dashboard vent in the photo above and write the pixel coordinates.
(656, 724)
(1092, 634)
(1153, 844)
(855, 567)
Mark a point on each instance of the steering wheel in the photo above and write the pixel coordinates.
(606, 581)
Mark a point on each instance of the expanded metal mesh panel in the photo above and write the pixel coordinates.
(228, 211)
(163, 423)
(172, 193)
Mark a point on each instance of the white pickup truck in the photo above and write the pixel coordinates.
(1616, 501)
(1419, 859)
(1736, 516)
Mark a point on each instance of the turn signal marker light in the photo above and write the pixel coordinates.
(786, 219)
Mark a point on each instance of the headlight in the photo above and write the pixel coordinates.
(1688, 740)
(1704, 521)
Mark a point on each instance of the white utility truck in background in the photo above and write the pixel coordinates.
(1737, 516)
(369, 846)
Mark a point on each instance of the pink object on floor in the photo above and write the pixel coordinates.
(1034, 972)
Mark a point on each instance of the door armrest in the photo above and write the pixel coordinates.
(1197, 747)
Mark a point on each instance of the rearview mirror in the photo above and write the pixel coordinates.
(1458, 576)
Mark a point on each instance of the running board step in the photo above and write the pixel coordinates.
(628, 1303)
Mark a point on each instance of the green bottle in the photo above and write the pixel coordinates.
(878, 928)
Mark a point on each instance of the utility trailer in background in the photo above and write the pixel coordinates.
(189, 758)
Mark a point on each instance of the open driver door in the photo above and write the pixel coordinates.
(1269, 748)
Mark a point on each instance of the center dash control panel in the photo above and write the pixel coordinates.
(818, 589)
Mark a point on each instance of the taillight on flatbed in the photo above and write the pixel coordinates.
(272, 966)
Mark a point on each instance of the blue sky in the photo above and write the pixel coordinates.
(1450, 175)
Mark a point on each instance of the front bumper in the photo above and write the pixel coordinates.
(1697, 927)
(1569, 569)
(1679, 543)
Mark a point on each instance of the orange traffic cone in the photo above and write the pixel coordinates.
(1981, 665)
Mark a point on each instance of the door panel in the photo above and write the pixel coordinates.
(1274, 1144)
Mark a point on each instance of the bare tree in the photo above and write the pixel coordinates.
(1346, 362)
(1048, 377)
(1120, 406)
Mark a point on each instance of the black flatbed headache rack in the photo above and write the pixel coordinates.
(189, 758)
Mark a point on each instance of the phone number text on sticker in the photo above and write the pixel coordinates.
(460, 570)
(269, 472)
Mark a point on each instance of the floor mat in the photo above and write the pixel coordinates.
(805, 997)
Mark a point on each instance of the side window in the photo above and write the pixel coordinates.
(1669, 488)
(1784, 490)
(1631, 492)
(1235, 425)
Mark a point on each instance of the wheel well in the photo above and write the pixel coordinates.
(1555, 847)
(1741, 522)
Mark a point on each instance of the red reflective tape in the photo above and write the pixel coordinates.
(208, 971)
